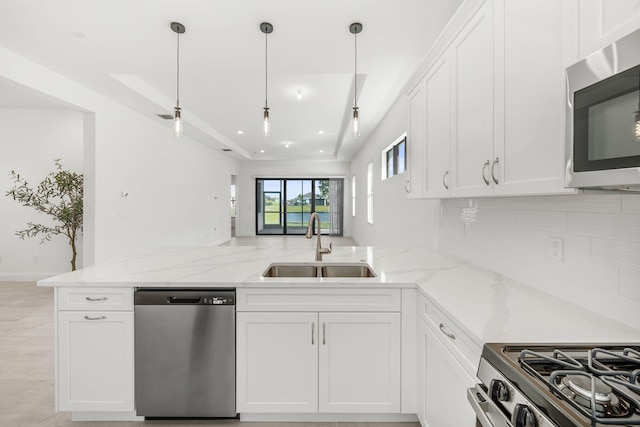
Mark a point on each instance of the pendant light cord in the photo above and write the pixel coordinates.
(178, 71)
(355, 72)
(266, 56)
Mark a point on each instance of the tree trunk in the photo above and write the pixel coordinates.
(74, 253)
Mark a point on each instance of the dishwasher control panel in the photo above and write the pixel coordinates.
(217, 300)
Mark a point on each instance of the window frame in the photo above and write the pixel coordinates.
(370, 193)
(353, 196)
(392, 153)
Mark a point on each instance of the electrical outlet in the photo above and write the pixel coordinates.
(556, 248)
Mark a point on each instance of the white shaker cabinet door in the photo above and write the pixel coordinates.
(530, 138)
(277, 362)
(443, 388)
(416, 143)
(473, 101)
(359, 367)
(602, 22)
(438, 132)
(95, 361)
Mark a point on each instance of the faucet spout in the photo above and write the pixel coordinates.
(319, 249)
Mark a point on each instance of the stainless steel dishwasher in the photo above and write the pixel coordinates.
(185, 353)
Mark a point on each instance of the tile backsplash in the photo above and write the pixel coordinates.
(600, 268)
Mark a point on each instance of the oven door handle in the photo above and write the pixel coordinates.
(474, 394)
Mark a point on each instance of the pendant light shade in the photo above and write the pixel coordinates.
(266, 29)
(355, 29)
(177, 28)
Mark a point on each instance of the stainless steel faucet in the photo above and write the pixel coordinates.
(319, 249)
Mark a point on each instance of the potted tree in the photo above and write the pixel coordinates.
(59, 195)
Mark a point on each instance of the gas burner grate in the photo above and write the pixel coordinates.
(612, 407)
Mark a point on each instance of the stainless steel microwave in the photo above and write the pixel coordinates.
(603, 118)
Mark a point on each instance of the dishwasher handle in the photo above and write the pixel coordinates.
(184, 300)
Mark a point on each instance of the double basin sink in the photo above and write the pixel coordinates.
(319, 269)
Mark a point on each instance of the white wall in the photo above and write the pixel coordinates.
(178, 189)
(398, 221)
(252, 169)
(31, 140)
(601, 233)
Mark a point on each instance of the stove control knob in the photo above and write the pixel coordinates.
(523, 416)
(499, 391)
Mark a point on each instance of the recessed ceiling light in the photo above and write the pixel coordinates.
(262, 151)
(299, 93)
(240, 132)
(320, 132)
(322, 151)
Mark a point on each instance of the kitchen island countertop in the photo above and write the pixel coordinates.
(488, 306)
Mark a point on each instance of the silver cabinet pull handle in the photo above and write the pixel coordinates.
(96, 299)
(444, 179)
(95, 318)
(313, 332)
(453, 337)
(493, 167)
(324, 333)
(406, 187)
(484, 168)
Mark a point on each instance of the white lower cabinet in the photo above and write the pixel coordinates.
(447, 359)
(95, 361)
(310, 362)
(277, 360)
(442, 384)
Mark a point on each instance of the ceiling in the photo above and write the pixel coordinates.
(126, 50)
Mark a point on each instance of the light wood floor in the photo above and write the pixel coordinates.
(26, 368)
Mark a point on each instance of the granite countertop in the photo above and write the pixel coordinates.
(487, 306)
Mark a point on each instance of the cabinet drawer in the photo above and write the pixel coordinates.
(280, 299)
(449, 330)
(103, 299)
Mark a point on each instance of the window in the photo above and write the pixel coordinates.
(353, 195)
(394, 158)
(284, 205)
(370, 193)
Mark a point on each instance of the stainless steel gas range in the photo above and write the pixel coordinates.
(571, 385)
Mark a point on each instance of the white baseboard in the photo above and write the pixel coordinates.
(105, 416)
(318, 417)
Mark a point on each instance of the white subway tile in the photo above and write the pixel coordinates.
(630, 282)
(607, 226)
(631, 204)
(615, 251)
(586, 203)
(525, 203)
(542, 220)
(501, 217)
(582, 274)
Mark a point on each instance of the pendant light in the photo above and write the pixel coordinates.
(267, 29)
(355, 29)
(177, 28)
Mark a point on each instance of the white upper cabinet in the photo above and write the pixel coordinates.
(416, 142)
(604, 21)
(494, 124)
(472, 104)
(438, 131)
(529, 140)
